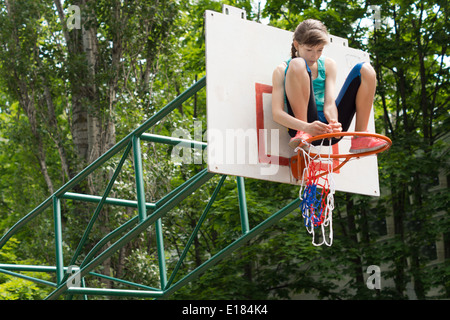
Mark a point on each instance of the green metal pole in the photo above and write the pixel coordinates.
(105, 157)
(112, 201)
(116, 292)
(161, 254)
(19, 275)
(24, 267)
(243, 205)
(138, 285)
(195, 182)
(23, 221)
(175, 103)
(273, 219)
(196, 229)
(58, 240)
(142, 211)
(132, 222)
(173, 141)
(100, 205)
(113, 234)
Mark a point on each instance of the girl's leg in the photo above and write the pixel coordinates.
(365, 97)
(357, 95)
(299, 91)
(300, 99)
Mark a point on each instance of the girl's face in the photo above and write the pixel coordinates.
(309, 53)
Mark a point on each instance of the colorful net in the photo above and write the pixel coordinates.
(317, 195)
(314, 168)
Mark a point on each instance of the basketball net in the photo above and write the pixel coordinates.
(317, 194)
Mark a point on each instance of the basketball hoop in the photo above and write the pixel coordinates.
(314, 167)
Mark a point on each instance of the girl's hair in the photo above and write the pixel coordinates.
(311, 33)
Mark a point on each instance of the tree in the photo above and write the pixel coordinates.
(68, 94)
(413, 76)
(69, 82)
(409, 53)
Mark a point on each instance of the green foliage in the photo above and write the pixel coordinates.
(14, 288)
(161, 45)
(20, 289)
(339, 16)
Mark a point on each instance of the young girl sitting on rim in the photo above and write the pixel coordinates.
(304, 90)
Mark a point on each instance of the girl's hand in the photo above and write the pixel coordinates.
(335, 126)
(318, 127)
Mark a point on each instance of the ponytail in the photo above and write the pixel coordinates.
(293, 51)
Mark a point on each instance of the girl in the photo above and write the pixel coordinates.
(304, 87)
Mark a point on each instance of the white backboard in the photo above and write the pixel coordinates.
(240, 58)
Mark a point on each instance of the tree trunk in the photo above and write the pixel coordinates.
(25, 94)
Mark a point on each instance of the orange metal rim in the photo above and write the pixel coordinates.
(350, 155)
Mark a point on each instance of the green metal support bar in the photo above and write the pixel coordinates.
(6, 268)
(117, 292)
(195, 182)
(138, 224)
(161, 254)
(18, 275)
(123, 281)
(128, 225)
(35, 212)
(138, 173)
(243, 205)
(175, 192)
(100, 205)
(83, 285)
(113, 234)
(196, 229)
(58, 240)
(31, 268)
(132, 222)
(173, 141)
(177, 102)
(105, 157)
(273, 219)
(111, 201)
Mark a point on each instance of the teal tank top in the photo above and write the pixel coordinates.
(318, 83)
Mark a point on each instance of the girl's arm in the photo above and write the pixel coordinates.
(329, 108)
